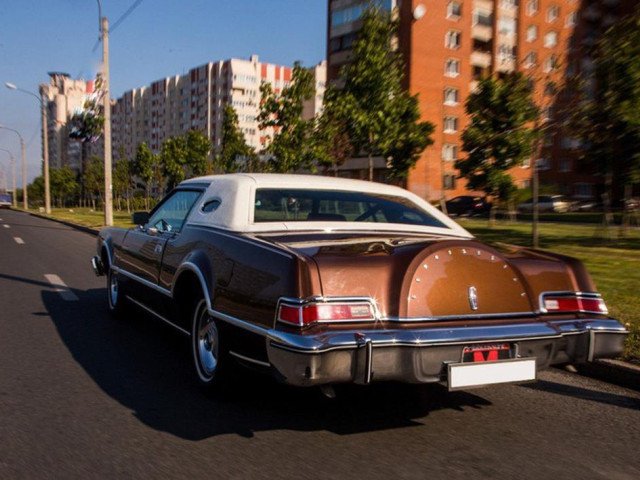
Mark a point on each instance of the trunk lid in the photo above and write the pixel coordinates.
(417, 278)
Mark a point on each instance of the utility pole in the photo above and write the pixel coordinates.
(45, 156)
(25, 203)
(13, 176)
(108, 194)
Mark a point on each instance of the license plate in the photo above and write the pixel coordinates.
(486, 352)
(470, 375)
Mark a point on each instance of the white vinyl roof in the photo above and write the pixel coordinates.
(236, 193)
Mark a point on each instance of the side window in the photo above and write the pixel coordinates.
(170, 216)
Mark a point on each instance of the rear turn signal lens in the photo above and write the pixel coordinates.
(304, 315)
(574, 303)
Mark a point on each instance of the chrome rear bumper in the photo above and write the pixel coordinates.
(422, 355)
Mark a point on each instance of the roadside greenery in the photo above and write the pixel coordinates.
(607, 117)
(499, 136)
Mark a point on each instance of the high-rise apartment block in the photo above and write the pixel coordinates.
(447, 45)
(173, 105)
(63, 97)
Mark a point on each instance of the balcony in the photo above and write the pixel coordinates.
(481, 58)
(482, 32)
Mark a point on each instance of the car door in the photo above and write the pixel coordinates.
(143, 247)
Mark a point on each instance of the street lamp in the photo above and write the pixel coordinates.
(45, 150)
(103, 25)
(25, 203)
(13, 175)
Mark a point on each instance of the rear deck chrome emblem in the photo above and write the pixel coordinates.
(473, 298)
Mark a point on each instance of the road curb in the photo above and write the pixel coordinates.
(82, 228)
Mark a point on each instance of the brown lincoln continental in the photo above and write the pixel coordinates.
(324, 280)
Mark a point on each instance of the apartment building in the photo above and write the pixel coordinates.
(447, 45)
(64, 96)
(173, 105)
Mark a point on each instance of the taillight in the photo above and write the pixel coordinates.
(573, 302)
(325, 312)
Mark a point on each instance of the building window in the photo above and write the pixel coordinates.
(526, 163)
(506, 52)
(551, 39)
(508, 3)
(532, 33)
(449, 181)
(526, 183)
(449, 152)
(550, 64)
(452, 67)
(450, 124)
(550, 89)
(571, 20)
(452, 39)
(482, 17)
(532, 7)
(553, 12)
(451, 96)
(543, 164)
(564, 165)
(583, 190)
(530, 60)
(507, 26)
(454, 10)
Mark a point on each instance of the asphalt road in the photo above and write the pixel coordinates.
(85, 396)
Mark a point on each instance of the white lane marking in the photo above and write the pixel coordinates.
(18, 240)
(60, 287)
(5, 225)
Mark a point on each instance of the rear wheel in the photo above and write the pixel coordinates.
(115, 295)
(209, 356)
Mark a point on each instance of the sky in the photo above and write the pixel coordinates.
(160, 38)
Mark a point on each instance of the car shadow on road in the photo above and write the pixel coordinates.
(146, 366)
(585, 394)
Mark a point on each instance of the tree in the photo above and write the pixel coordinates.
(608, 117)
(94, 179)
(332, 143)
(35, 190)
(197, 147)
(123, 179)
(63, 184)
(234, 147)
(380, 116)
(143, 168)
(173, 157)
(291, 147)
(499, 135)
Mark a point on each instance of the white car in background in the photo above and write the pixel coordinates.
(547, 203)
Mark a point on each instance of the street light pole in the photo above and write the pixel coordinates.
(108, 194)
(13, 176)
(45, 151)
(25, 203)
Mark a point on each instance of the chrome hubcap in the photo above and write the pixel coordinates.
(113, 290)
(207, 343)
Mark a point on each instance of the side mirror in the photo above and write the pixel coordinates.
(140, 218)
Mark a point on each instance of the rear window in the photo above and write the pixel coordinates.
(292, 205)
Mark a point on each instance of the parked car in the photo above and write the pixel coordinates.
(321, 280)
(5, 200)
(547, 203)
(468, 205)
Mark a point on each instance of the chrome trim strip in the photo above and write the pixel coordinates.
(251, 360)
(479, 316)
(242, 239)
(236, 322)
(433, 337)
(141, 280)
(157, 315)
